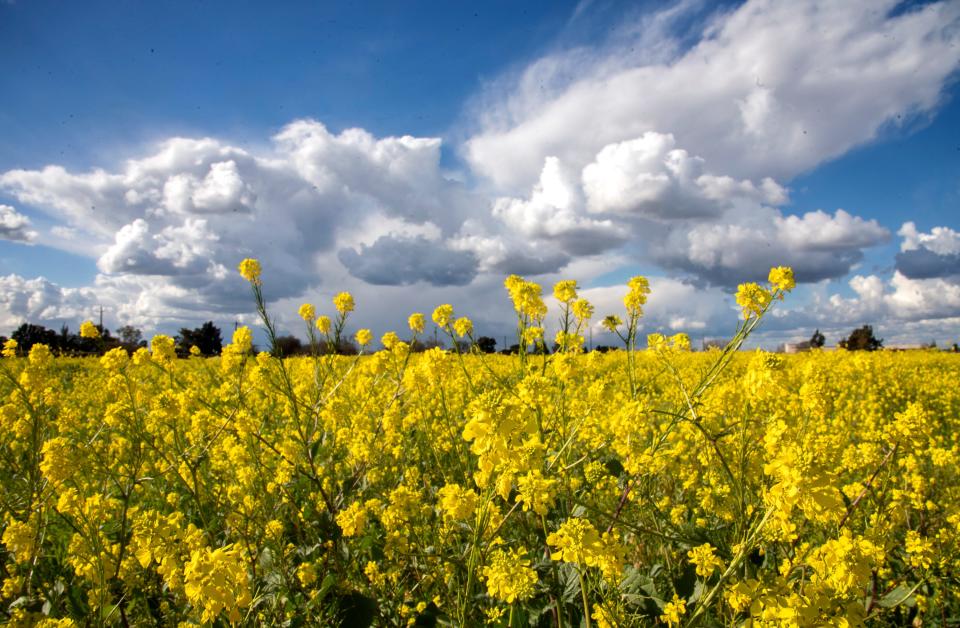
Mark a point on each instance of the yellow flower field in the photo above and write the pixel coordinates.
(634, 487)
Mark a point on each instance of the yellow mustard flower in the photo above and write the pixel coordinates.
(89, 330)
(307, 312)
(442, 315)
(250, 270)
(343, 301)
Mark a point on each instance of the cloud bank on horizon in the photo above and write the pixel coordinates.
(584, 162)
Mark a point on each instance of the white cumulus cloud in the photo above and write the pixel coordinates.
(928, 298)
(38, 300)
(185, 213)
(15, 226)
(929, 255)
(554, 212)
(748, 241)
(651, 176)
(899, 299)
(773, 88)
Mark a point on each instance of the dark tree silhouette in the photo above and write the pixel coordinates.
(67, 342)
(29, 334)
(346, 347)
(206, 338)
(817, 340)
(487, 344)
(131, 338)
(862, 339)
(287, 346)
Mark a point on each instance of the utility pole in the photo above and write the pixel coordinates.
(101, 319)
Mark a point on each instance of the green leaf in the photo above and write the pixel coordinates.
(570, 582)
(903, 594)
(698, 592)
(328, 581)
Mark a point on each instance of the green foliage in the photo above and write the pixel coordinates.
(817, 340)
(862, 339)
(206, 338)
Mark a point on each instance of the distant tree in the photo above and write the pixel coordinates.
(29, 334)
(862, 339)
(487, 344)
(206, 338)
(346, 347)
(104, 343)
(67, 342)
(131, 338)
(817, 340)
(286, 346)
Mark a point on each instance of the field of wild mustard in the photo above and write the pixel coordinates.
(570, 489)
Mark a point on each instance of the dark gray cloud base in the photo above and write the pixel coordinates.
(397, 261)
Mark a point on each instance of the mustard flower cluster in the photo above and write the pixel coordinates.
(89, 330)
(509, 576)
(250, 270)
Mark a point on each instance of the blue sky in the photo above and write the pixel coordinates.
(95, 79)
(585, 139)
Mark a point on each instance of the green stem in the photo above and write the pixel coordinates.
(583, 596)
(746, 546)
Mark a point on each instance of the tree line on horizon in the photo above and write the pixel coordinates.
(208, 340)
